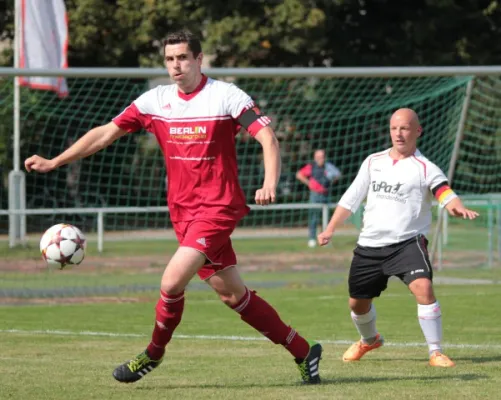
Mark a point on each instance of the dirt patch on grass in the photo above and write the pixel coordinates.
(13, 301)
(141, 265)
(152, 264)
(310, 260)
(286, 261)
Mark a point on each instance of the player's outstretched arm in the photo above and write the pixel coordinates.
(90, 143)
(272, 166)
(456, 208)
(349, 202)
(340, 215)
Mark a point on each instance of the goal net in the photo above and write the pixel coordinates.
(348, 117)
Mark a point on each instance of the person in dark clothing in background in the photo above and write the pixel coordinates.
(318, 175)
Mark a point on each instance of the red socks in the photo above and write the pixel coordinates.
(252, 309)
(169, 311)
(263, 317)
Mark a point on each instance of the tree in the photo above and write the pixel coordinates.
(408, 33)
(128, 33)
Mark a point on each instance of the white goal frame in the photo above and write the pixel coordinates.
(17, 211)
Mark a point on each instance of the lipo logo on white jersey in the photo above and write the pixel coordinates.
(188, 132)
(384, 190)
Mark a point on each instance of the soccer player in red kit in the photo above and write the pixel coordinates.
(195, 122)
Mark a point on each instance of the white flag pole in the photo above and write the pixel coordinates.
(17, 185)
(17, 94)
(44, 24)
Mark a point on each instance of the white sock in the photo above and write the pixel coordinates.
(366, 324)
(430, 319)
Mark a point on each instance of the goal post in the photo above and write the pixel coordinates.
(441, 217)
(343, 110)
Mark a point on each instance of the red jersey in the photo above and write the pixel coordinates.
(196, 133)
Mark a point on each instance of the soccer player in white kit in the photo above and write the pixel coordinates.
(399, 185)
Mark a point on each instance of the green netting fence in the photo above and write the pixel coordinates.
(347, 117)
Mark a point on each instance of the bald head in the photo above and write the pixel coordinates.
(405, 114)
(404, 130)
(319, 157)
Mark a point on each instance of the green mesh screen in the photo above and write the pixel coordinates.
(477, 177)
(478, 169)
(347, 117)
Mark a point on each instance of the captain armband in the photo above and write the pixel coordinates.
(252, 115)
(443, 193)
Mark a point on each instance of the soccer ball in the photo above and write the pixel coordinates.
(62, 245)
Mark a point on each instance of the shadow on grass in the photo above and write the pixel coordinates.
(325, 382)
(479, 360)
(422, 360)
(474, 360)
(427, 378)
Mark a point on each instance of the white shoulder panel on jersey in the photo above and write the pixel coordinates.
(152, 101)
(236, 100)
(232, 100)
(433, 174)
(357, 192)
(376, 156)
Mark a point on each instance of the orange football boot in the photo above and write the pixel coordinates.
(438, 359)
(357, 350)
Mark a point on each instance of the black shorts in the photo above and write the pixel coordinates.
(371, 267)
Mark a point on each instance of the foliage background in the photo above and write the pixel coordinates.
(258, 33)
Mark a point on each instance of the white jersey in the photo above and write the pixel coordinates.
(399, 197)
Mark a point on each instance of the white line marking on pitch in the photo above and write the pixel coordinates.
(342, 296)
(484, 346)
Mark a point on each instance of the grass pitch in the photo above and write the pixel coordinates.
(60, 341)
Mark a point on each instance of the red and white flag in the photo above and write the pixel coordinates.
(44, 42)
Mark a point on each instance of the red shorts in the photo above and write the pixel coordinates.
(211, 238)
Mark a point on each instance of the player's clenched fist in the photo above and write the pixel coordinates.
(39, 164)
(324, 238)
(265, 196)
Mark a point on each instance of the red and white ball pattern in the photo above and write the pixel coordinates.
(63, 244)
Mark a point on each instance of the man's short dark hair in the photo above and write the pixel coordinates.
(185, 36)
